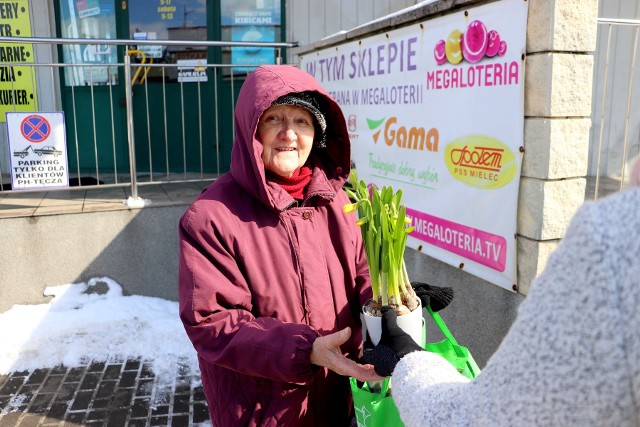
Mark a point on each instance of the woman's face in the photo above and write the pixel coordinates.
(286, 133)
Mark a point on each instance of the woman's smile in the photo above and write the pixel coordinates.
(286, 133)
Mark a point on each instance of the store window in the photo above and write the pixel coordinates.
(86, 19)
(250, 21)
(169, 20)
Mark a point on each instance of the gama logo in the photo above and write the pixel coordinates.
(416, 138)
(481, 161)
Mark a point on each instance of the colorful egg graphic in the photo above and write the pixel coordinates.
(439, 52)
(474, 41)
(503, 48)
(452, 49)
(494, 43)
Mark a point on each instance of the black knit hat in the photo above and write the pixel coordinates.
(309, 102)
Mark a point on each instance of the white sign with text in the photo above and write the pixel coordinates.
(437, 109)
(38, 150)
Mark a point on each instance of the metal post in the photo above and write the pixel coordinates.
(134, 200)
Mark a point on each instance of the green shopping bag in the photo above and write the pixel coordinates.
(449, 349)
(374, 408)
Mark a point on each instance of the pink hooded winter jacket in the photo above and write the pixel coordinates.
(260, 277)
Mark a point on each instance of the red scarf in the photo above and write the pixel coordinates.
(296, 184)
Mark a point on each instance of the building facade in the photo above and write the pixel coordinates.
(559, 98)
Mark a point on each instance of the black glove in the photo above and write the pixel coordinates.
(394, 343)
(434, 296)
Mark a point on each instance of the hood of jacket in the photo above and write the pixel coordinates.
(330, 165)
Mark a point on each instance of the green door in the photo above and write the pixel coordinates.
(182, 107)
(91, 93)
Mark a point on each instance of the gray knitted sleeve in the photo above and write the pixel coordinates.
(571, 358)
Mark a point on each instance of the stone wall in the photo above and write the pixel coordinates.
(137, 248)
(561, 39)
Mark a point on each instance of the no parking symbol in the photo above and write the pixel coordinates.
(35, 128)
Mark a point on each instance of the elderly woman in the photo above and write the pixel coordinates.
(272, 272)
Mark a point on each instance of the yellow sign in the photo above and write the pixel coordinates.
(17, 83)
(481, 161)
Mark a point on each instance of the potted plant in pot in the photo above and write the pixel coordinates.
(385, 226)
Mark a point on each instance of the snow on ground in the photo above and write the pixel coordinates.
(94, 321)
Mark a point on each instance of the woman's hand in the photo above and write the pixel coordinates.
(326, 352)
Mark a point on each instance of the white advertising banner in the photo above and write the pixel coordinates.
(38, 149)
(437, 109)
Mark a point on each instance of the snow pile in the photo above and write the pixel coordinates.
(95, 322)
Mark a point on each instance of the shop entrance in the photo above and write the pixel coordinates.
(182, 106)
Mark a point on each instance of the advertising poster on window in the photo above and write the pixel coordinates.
(89, 19)
(17, 83)
(252, 56)
(251, 21)
(87, 8)
(192, 70)
(437, 109)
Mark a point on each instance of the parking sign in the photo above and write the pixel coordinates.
(38, 150)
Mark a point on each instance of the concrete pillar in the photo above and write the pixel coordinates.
(561, 40)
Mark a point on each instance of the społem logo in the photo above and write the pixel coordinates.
(481, 161)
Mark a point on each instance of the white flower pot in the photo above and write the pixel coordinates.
(411, 323)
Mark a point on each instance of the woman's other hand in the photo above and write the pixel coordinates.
(326, 352)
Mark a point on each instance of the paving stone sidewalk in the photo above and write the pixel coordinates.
(107, 394)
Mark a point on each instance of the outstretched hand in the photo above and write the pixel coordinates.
(394, 343)
(326, 352)
(394, 337)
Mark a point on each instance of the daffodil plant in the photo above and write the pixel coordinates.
(384, 225)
